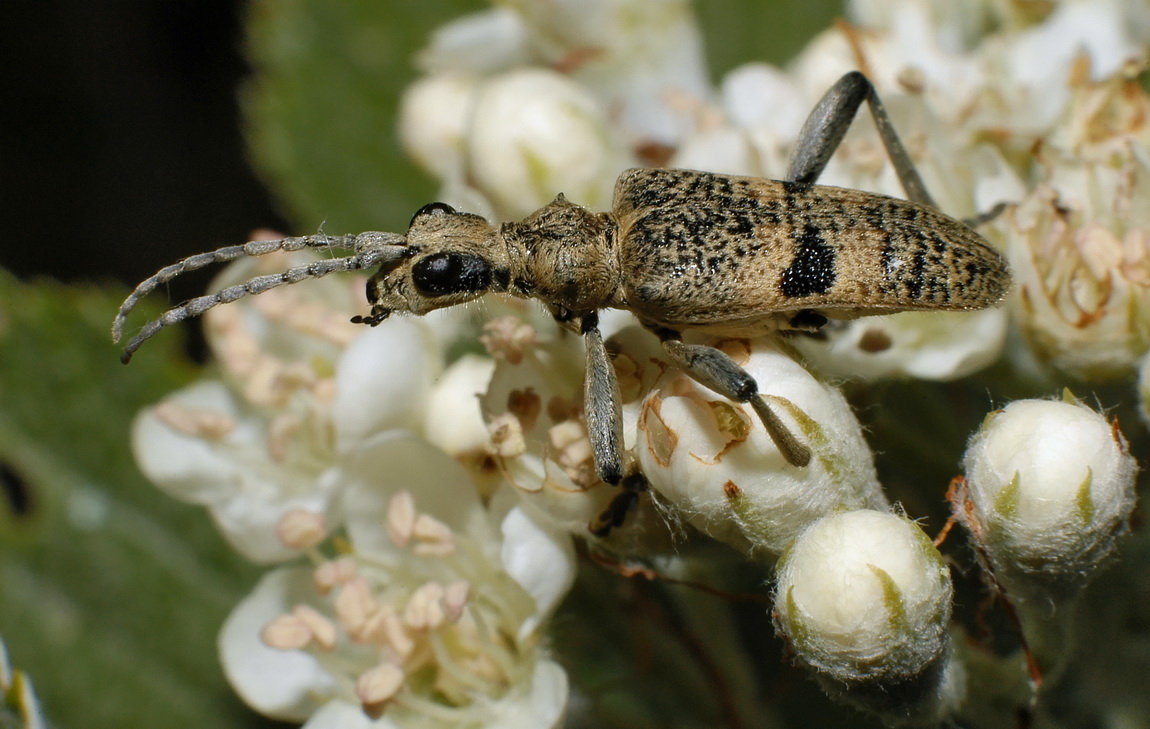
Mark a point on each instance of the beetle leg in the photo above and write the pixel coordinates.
(827, 125)
(602, 404)
(615, 513)
(713, 369)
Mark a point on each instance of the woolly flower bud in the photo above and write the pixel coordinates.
(1050, 487)
(535, 132)
(713, 459)
(864, 599)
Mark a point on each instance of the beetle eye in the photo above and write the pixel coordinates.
(451, 273)
(435, 208)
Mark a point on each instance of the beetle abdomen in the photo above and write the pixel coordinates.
(700, 249)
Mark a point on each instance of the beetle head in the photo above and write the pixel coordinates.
(450, 258)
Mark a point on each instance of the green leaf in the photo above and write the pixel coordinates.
(321, 108)
(111, 594)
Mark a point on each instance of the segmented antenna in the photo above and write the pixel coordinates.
(370, 249)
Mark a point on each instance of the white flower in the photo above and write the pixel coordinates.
(299, 390)
(929, 345)
(489, 41)
(534, 407)
(643, 59)
(430, 613)
(1079, 243)
(713, 460)
(1050, 489)
(864, 599)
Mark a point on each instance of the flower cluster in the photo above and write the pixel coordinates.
(438, 498)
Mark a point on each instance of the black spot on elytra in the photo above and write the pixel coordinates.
(813, 269)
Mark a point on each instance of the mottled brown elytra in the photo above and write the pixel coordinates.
(680, 249)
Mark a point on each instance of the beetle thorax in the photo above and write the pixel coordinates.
(565, 256)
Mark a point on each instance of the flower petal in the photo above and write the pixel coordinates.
(383, 381)
(541, 560)
(280, 684)
(398, 460)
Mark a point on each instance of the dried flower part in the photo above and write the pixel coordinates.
(713, 460)
(1050, 489)
(864, 599)
(1080, 241)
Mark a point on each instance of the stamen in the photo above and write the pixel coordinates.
(400, 520)
(280, 431)
(433, 537)
(354, 605)
(301, 528)
(323, 631)
(424, 609)
(507, 337)
(206, 424)
(335, 572)
(377, 686)
(286, 633)
(455, 597)
(507, 436)
(384, 627)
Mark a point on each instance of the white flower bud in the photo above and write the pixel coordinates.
(433, 119)
(535, 133)
(1051, 487)
(713, 459)
(454, 421)
(864, 599)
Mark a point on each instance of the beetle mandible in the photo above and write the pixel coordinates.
(681, 250)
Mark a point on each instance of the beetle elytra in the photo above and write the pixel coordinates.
(682, 250)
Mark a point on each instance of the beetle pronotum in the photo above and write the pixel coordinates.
(681, 250)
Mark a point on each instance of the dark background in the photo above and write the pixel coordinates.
(120, 140)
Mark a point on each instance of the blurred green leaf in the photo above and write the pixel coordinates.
(321, 107)
(111, 594)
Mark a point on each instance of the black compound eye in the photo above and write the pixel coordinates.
(435, 208)
(451, 273)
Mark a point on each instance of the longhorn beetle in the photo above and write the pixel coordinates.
(681, 250)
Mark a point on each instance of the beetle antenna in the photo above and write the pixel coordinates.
(371, 249)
